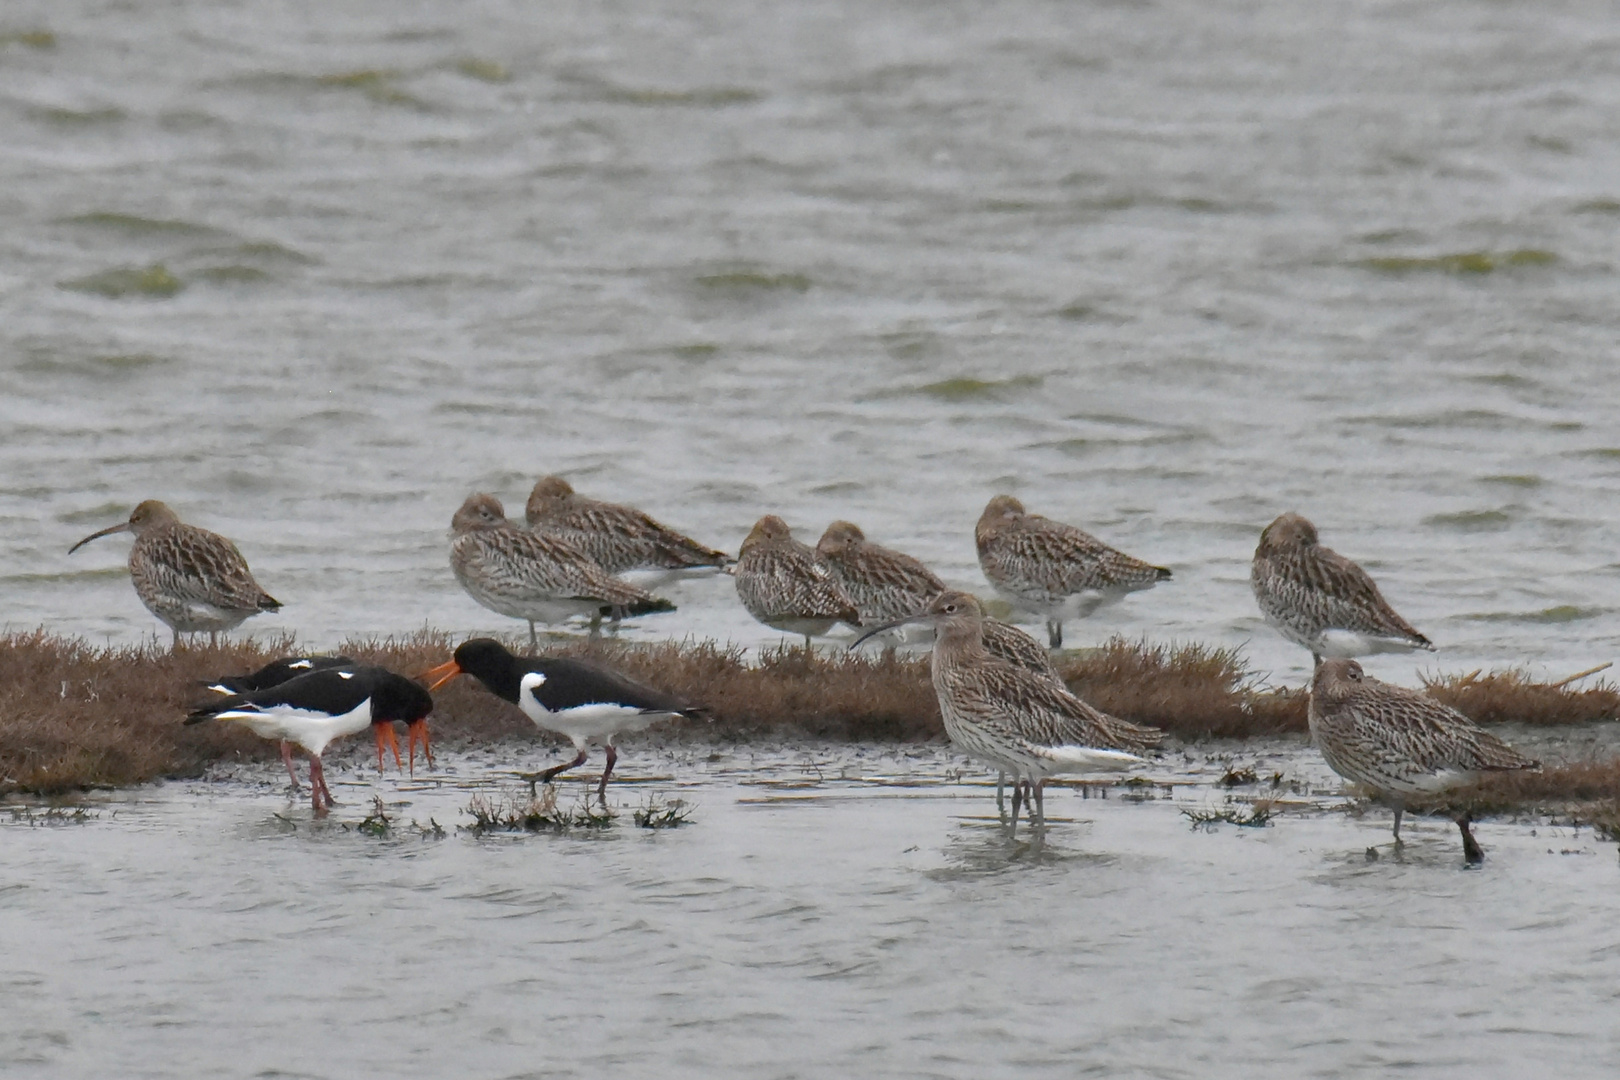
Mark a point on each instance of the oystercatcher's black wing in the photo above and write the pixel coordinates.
(333, 691)
(277, 672)
(570, 683)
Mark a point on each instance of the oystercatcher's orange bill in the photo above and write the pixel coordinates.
(441, 674)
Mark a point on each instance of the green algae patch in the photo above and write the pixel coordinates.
(1471, 520)
(29, 39)
(231, 275)
(135, 225)
(376, 83)
(740, 281)
(1561, 613)
(489, 71)
(153, 281)
(1461, 264)
(967, 388)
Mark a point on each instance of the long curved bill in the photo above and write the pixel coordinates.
(441, 674)
(886, 627)
(108, 531)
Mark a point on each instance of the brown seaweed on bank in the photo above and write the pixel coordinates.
(76, 715)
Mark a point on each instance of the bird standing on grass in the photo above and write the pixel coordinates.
(1015, 719)
(1052, 569)
(533, 576)
(1401, 744)
(1317, 598)
(191, 579)
(315, 708)
(587, 703)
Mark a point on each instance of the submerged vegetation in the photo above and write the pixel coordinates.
(75, 715)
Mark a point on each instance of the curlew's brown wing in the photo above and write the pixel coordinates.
(194, 564)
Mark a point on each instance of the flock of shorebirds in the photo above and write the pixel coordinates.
(1002, 701)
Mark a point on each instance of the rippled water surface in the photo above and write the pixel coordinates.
(312, 272)
(826, 913)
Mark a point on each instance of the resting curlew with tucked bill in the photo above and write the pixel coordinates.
(784, 585)
(1401, 744)
(618, 537)
(191, 579)
(1317, 598)
(1012, 718)
(533, 576)
(1052, 569)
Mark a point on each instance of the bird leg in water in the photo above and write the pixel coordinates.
(413, 732)
(534, 641)
(545, 776)
(601, 789)
(286, 759)
(1018, 798)
(386, 739)
(317, 786)
(1399, 810)
(1471, 851)
(1001, 800)
(1038, 818)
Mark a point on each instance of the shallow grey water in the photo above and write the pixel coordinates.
(826, 913)
(1162, 269)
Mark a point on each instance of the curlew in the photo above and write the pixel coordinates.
(1317, 598)
(534, 576)
(1012, 718)
(1054, 570)
(193, 580)
(1401, 744)
(785, 586)
(619, 538)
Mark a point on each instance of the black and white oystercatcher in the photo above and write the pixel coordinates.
(192, 579)
(585, 702)
(279, 671)
(315, 708)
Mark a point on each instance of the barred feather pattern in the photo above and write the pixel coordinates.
(617, 537)
(527, 575)
(884, 584)
(1011, 717)
(194, 580)
(1306, 590)
(1037, 562)
(1011, 645)
(785, 586)
(1396, 741)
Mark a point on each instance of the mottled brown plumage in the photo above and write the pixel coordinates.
(883, 584)
(1053, 569)
(1401, 744)
(534, 576)
(1317, 598)
(1020, 721)
(192, 579)
(784, 585)
(619, 538)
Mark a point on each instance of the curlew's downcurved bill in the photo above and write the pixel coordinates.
(534, 576)
(1052, 569)
(317, 707)
(585, 702)
(1401, 744)
(193, 580)
(620, 538)
(1317, 598)
(786, 586)
(1017, 720)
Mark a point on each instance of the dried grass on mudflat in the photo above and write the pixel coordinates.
(74, 715)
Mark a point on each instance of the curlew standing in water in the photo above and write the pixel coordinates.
(1317, 598)
(533, 576)
(1400, 743)
(1053, 569)
(191, 579)
(1019, 721)
(785, 586)
(619, 538)
(584, 701)
(319, 706)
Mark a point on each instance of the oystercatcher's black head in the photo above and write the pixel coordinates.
(394, 697)
(486, 660)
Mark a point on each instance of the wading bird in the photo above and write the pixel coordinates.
(585, 702)
(619, 538)
(191, 579)
(1401, 744)
(1317, 598)
(1054, 570)
(319, 706)
(784, 585)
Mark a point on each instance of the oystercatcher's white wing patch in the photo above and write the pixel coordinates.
(345, 674)
(297, 664)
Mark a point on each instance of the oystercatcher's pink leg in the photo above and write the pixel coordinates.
(612, 756)
(286, 758)
(545, 777)
(318, 788)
